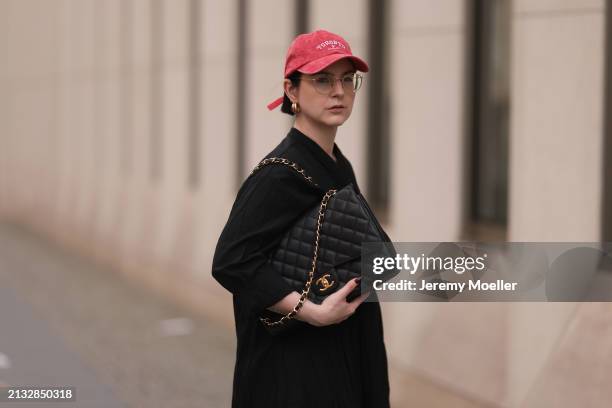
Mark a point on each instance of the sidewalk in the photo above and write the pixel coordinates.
(66, 322)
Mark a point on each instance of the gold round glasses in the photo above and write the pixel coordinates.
(324, 83)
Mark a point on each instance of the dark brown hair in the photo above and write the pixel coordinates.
(286, 106)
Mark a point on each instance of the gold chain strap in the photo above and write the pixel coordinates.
(322, 208)
(281, 160)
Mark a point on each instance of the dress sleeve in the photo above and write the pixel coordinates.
(267, 205)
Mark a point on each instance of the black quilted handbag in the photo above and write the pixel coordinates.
(321, 252)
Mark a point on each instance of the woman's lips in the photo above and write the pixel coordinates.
(336, 108)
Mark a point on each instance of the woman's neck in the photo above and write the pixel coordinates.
(324, 136)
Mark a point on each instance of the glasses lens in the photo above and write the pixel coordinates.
(357, 79)
(348, 82)
(323, 83)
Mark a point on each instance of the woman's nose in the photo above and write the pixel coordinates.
(337, 87)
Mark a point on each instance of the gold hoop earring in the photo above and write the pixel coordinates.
(295, 108)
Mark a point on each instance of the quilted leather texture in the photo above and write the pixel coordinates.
(348, 222)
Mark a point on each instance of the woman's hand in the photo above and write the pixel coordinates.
(334, 308)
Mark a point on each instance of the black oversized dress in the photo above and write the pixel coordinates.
(342, 365)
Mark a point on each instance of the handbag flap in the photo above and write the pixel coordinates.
(347, 223)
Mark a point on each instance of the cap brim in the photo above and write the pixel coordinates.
(317, 65)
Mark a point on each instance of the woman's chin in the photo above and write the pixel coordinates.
(335, 121)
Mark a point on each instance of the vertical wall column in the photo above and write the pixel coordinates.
(172, 178)
(139, 180)
(4, 116)
(607, 159)
(555, 174)
(29, 134)
(241, 91)
(107, 141)
(219, 127)
(557, 94)
(77, 117)
(378, 138)
(58, 203)
(67, 143)
(195, 92)
(427, 111)
(268, 40)
(302, 16)
(428, 53)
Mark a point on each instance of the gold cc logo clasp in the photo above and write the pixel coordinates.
(324, 282)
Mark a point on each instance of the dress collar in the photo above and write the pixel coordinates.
(299, 137)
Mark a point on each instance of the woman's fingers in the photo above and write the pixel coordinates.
(353, 305)
(338, 309)
(348, 288)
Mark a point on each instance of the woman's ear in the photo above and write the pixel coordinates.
(290, 90)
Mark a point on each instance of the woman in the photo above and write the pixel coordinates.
(339, 358)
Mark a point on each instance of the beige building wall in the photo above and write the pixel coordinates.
(78, 101)
(427, 63)
(137, 214)
(557, 108)
(555, 191)
(218, 143)
(105, 207)
(270, 30)
(428, 59)
(4, 110)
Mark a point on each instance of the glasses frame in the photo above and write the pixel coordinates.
(357, 80)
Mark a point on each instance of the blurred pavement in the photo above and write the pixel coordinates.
(64, 321)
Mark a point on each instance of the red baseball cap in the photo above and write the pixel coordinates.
(312, 52)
